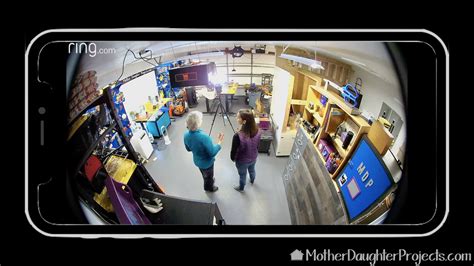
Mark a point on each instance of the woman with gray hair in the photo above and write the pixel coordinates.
(204, 151)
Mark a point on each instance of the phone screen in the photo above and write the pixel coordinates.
(135, 101)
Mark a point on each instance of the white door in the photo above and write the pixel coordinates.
(282, 86)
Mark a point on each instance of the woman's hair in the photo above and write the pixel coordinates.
(249, 127)
(194, 120)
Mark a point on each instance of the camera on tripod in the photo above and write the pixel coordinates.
(218, 89)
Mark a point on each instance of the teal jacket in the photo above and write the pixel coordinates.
(201, 145)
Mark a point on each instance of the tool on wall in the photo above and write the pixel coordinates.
(351, 93)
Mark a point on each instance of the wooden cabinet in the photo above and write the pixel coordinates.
(293, 92)
(338, 116)
(316, 104)
(309, 180)
(290, 99)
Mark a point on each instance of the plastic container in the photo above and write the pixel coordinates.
(266, 138)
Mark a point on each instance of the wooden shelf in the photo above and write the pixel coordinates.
(338, 100)
(318, 118)
(298, 102)
(319, 153)
(315, 115)
(347, 114)
(309, 110)
(335, 118)
(311, 75)
(338, 145)
(318, 89)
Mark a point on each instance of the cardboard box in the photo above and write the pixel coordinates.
(380, 137)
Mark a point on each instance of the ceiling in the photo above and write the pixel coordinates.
(369, 56)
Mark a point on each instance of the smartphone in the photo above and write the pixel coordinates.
(88, 92)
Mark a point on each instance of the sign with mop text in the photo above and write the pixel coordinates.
(364, 181)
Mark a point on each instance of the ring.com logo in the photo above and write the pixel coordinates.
(89, 48)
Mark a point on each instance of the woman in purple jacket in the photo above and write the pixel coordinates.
(245, 147)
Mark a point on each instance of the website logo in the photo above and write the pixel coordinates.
(395, 257)
(296, 255)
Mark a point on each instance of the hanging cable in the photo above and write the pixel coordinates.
(156, 61)
(123, 65)
(195, 48)
(151, 55)
(123, 62)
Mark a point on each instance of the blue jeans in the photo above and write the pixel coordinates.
(242, 169)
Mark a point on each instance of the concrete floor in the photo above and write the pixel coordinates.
(262, 203)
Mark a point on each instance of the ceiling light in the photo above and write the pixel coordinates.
(212, 54)
(317, 65)
(203, 55)
(303, 60)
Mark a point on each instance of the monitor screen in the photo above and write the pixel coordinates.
(364, 181)
(189, 76)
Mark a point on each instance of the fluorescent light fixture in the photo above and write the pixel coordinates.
(303, 60)
(353, 61)
(202, 56)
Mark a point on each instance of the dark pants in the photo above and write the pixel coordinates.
(208, 176)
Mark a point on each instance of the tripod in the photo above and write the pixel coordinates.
(223, 112)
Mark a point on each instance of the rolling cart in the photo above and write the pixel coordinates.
(265, 141)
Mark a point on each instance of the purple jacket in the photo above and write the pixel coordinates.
(245, 149)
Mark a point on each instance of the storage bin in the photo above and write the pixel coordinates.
(266, 138)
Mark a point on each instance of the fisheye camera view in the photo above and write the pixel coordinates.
(234, 132)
